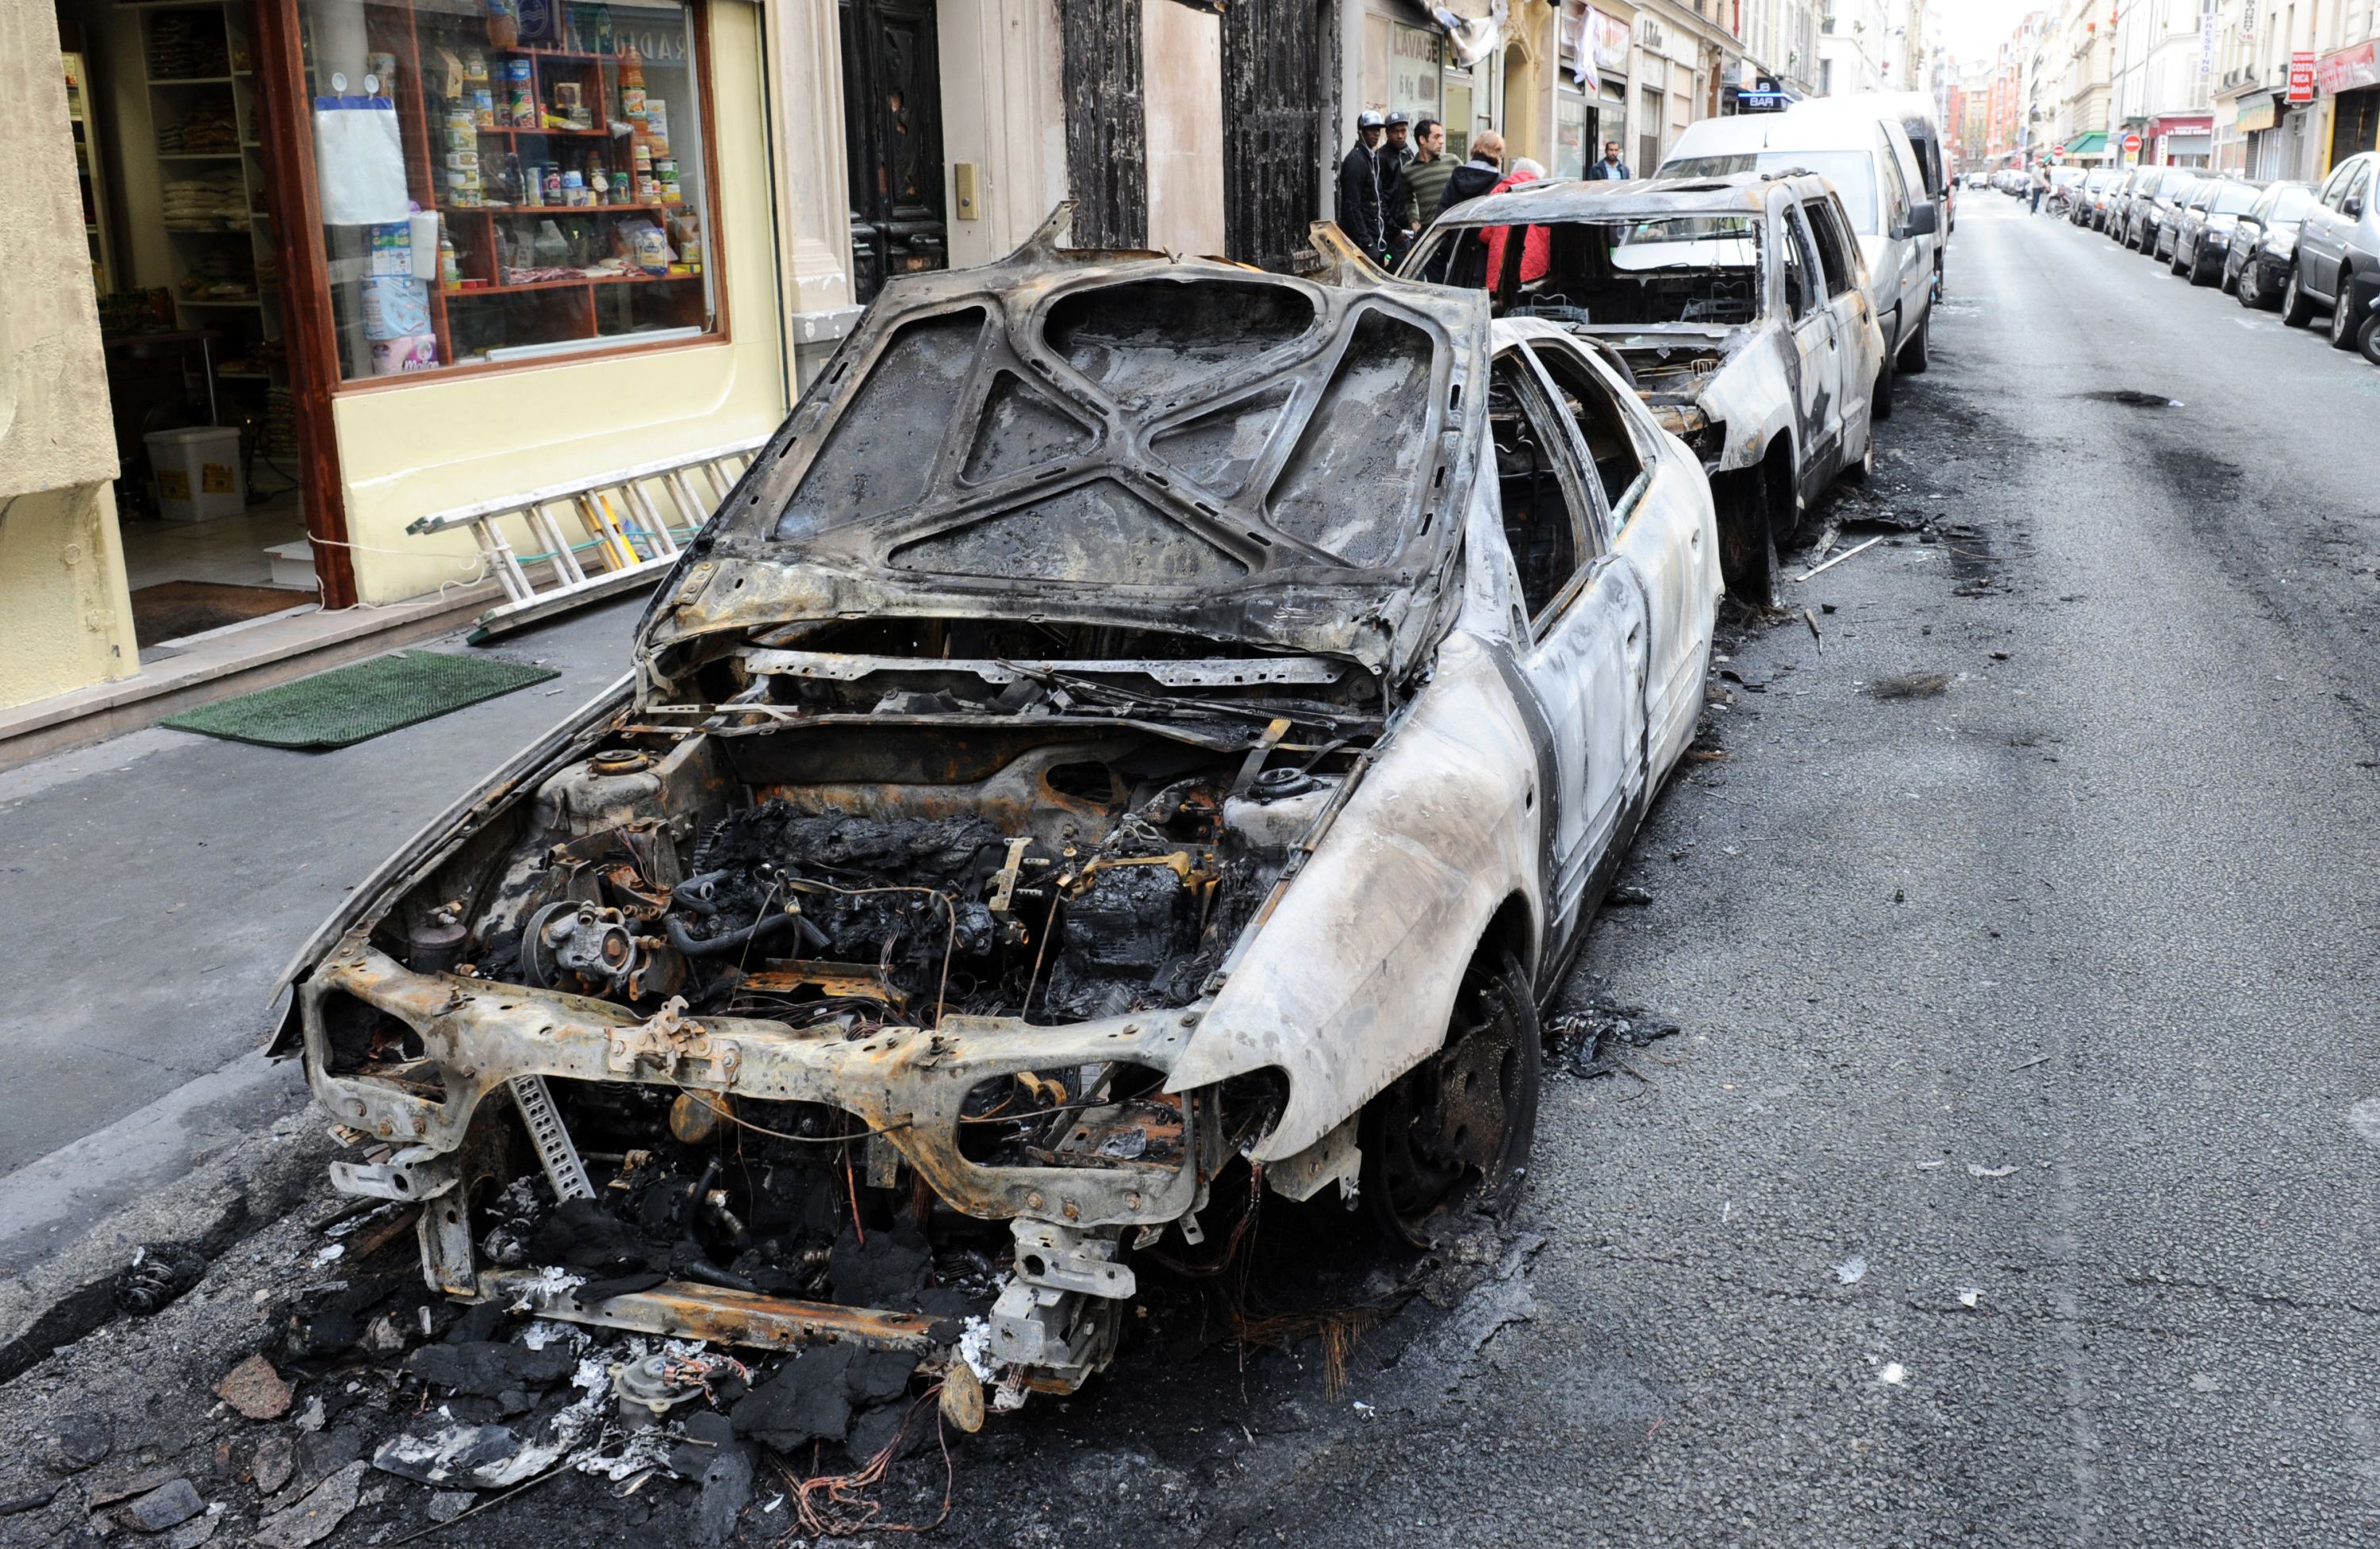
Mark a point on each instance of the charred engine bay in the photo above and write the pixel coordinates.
(854, 829)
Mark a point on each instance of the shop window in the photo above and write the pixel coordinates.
(508, 181)
(1569, 133)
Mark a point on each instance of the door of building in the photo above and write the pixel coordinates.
(1273, 138)
(2355, 123)
(892, 140)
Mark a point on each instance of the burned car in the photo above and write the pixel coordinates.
(1144, 731)
(1739, 307)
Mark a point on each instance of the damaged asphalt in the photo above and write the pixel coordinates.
(2004, 1182)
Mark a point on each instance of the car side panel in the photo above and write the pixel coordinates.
(1351, 980)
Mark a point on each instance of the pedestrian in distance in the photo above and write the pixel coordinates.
(1359, 188)
(1424, 178)
(2040, 183)
(1611, 169)
(1393, 156)
(1475, 176)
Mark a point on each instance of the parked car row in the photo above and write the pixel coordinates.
(1761, 291)
(2304, 250)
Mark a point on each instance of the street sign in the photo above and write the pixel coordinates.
(2302, 76)
(2132, 145)
(2058, 150)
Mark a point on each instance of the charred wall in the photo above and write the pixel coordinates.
(1275, 53)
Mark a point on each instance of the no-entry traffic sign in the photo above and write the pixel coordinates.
(2132, 145)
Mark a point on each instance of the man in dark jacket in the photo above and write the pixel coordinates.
(1360, 214)
(1475, 176)
(1393, 156)
(1611, 169)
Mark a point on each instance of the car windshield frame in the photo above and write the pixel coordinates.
(1859, 196)
(1456, 254)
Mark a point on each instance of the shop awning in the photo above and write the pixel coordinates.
(2253, 111)
(2093, 143)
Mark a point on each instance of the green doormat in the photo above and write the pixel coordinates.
(349, 705)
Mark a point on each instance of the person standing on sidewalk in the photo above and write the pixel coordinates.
(1393, 156)
(2040, 183)
(1611, 169)
(1359, 188)
(1425, 179)
(1475, 176)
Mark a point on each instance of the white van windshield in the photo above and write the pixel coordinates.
(1851, 171)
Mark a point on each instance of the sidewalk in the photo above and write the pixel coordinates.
(150, 889)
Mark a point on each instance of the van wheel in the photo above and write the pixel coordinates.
(1917, 351)
(2367, 340)
(1450, 1137)
(2296, 310)
(1881, 407)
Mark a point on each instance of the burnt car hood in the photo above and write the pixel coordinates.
(1103, 437)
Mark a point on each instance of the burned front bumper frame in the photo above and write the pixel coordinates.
(907, 1084)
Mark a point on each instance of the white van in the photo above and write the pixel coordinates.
(1868, 159)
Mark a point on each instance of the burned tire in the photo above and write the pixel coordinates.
(1744, 504)
(1451, 1136)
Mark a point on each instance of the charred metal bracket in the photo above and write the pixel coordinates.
(667, 1041)
(1061, 1259)
(1335, 1159)
(907, 1083)
(1062, 1336)
(415, 1173)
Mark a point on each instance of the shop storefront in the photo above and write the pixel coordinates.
(359, 262)
(2352, 79)
(2255, 133)
(2182, 141)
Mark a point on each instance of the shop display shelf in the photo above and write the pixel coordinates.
(189, 80)
(453, 296)
(198, 155)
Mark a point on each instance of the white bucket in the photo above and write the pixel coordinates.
(197, 473)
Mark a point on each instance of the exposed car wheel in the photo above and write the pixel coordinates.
(2197, 273)
(1917, 351)
(2296, 310)
(2367, 340)
(1880, 407)
(1753, 516)
(2343, 310)
(1452, 1135)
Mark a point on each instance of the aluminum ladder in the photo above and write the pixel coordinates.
(630, 524)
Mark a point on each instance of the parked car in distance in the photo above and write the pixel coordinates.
(2151, 197)
(1738, 306)
(2338, 259)
(1979, 180)
(2262, 248)
(2089, 207)
(2196, 192)
(2203, 233)
(1867, 158)
(2119, 200)
(1009, 618)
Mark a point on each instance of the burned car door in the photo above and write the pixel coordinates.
(1858, 341)
(1663, 538)
(1584, 648)
(1818, 390)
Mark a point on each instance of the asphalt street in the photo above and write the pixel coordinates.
(152, 886)
(2007, 1184)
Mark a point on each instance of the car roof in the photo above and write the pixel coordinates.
(1899, 106)
(1790, 130)
(1744, 193)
